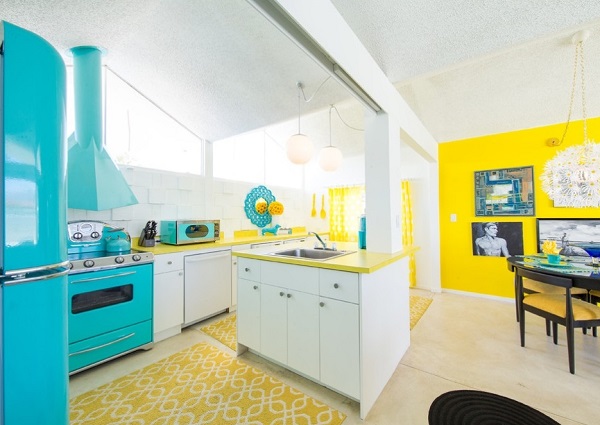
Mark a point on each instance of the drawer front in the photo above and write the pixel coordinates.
(105, 300)
(164, 263)
(249, 269)
(102, 347)
(298, 278)
(338, 285)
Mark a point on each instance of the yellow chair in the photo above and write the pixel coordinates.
(557, 308)
(535, 287)
(595, 296)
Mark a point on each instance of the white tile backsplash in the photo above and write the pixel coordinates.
(157, 196)
(169, 196)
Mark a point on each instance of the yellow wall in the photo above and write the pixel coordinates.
(460, 269)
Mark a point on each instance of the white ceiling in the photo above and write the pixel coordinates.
(467, 68)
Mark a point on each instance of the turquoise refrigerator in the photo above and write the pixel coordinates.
(33, 258)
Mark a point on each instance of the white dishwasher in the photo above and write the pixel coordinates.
(207, 285)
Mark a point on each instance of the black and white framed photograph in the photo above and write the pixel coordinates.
(497, 239)
(573, 236)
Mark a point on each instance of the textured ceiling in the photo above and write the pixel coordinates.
(467, 68)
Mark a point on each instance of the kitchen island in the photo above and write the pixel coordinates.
(341, 322)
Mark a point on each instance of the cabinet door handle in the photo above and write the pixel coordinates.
(335, 285)
(169, 262)
(322, 304)
(281, 294)
(246, 269)
(255, 287)
(289, 295)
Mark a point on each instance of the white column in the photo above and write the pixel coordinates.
(382, 184)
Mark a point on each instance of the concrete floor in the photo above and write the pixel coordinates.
(461, 342)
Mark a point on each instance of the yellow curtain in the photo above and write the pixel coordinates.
(346, 205)
(408, 238)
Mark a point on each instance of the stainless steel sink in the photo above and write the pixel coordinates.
(312, 254)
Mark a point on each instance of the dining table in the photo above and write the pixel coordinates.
(579, 269)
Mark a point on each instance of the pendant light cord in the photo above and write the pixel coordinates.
(301, 87)
(330, 108)
(578, 55)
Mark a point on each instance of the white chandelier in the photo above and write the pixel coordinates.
(572, 177)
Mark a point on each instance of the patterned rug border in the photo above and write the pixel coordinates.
(114, 400)
(224, 331)
(418, 307)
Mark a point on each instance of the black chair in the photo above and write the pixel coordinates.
(557, 308)
(534, 287)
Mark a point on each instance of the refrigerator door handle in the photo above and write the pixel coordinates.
(33, 270)
(32, 275)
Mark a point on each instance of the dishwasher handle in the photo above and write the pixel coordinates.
(207, 256)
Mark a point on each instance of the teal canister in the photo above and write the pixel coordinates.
(362, 232)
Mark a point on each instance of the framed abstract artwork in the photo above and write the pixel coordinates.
(506, 191)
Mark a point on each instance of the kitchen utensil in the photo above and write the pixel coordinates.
(313, 212)
(148, 233)
(323, 213)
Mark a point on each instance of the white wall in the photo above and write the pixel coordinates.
(165, 195)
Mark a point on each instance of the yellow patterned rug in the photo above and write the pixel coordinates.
(199, 385)
(223, 331)
(418, 306)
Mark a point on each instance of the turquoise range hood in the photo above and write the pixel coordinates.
(94, 181)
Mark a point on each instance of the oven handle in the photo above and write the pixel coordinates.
(98, 347)
(91, 279)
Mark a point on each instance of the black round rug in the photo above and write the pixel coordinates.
(468, 407)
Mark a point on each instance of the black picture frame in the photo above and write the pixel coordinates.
(568, 233)
(511, 232)
(505, 192)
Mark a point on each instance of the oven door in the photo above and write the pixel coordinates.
(106, 300)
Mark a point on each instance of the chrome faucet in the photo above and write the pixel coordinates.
(319, 238)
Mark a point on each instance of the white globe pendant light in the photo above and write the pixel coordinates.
(330, 157)
(299, 148)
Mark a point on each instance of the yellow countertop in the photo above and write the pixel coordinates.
(360, 261)
(161, 248)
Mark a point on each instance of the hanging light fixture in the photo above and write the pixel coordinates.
(572, 177)
(330, 157)
(299, 147)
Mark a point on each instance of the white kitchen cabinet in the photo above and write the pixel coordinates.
(305, 320)
(303, 333)
(339, 346)
(207, 285)
(234, 261)
(248, 313)
(289, 328)
(168, 295)
(273, 322)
